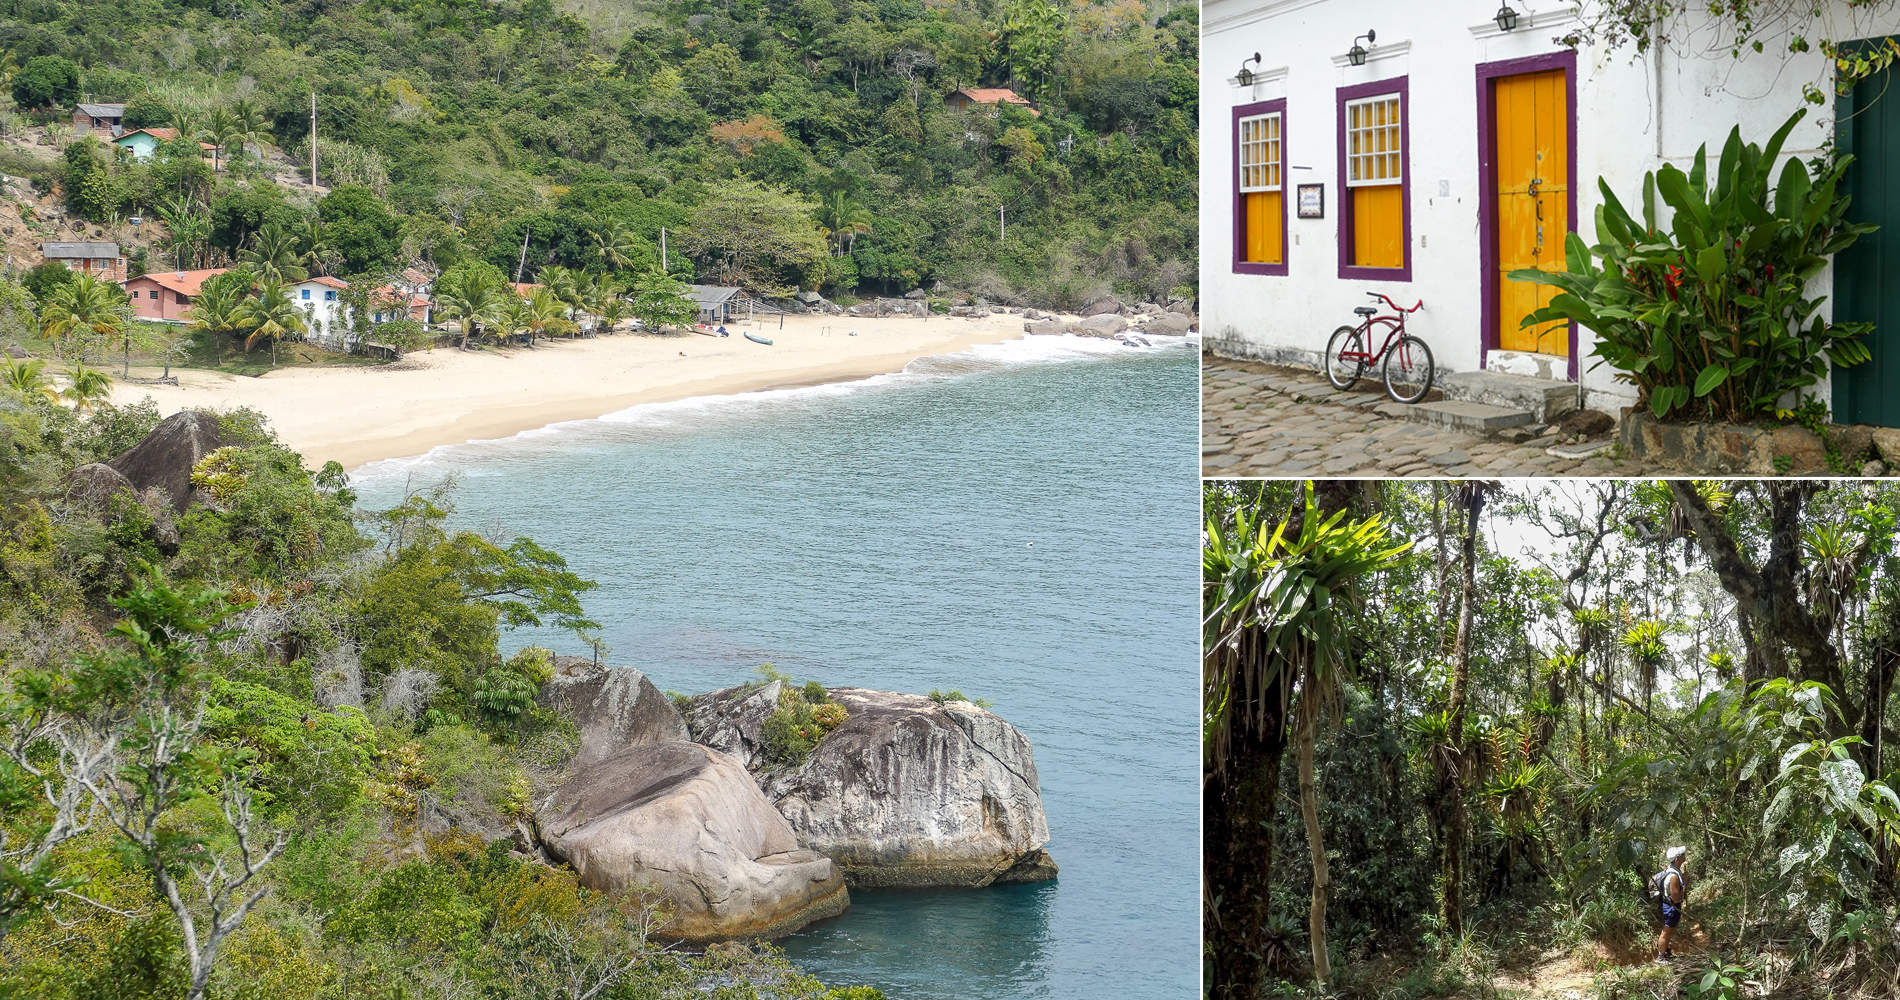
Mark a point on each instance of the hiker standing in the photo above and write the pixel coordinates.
(1669, 889)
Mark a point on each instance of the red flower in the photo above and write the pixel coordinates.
(1672, 279)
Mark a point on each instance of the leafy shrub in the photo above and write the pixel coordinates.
(1711, 316)
(805, 716)
(503, 696)
(943, 696)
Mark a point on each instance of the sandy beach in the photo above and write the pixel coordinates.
(445, 396)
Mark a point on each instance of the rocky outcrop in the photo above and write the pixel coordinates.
(732, 721)
(906, 792)
(614, 708)
(166, 456)
(95, 483)
(1103, 325)
(688, 823)
(1169, 325)
(1107, 305)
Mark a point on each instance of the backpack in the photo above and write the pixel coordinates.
(1658, 888)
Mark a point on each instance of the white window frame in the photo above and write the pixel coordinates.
(1268, 144)
(1393, 156)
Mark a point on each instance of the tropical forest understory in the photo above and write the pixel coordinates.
(1451, 728)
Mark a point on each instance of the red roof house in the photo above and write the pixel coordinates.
(166, 296)
(963, 97)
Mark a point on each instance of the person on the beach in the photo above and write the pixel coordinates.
(1671, 890)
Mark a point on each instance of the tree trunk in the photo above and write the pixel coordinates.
(1315, 842)
(1472, 496)
(1238, 857)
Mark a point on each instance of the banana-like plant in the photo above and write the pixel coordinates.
(1710, 316)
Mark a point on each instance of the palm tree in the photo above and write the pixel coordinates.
(317, 256)
(843, 217)
(218, 310)
(274, 251)
(271, 315)
(86, 387)
(617, 245)
(1278, 607)
(614, 311)
(217, 130)
(806, 45)
(468, 299)
(250, 130)
(546, 316)
(85, 306)
(27, 376)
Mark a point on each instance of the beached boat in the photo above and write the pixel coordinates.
(755, 338)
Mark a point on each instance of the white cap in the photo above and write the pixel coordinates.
(1675, 852)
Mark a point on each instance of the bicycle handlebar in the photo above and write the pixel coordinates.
(1395, 305)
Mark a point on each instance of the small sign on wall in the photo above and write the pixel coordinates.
(1312, 201)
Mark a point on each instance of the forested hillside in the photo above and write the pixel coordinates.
(1476, 715)
(259, 743)
(781, 145)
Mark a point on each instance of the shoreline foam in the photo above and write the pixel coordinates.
(1017, 350)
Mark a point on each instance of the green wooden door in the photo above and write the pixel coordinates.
(1867, 274)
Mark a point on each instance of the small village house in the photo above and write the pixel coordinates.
(392, 302)
(103, 121)
(1459, 144)
(143, 142)
(963, 98)
(165, 296)
(320, 299)
(100, 259)
(714, 301)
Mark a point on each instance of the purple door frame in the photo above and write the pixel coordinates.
(1241, 264)
(1402, 86)
(1488, 74)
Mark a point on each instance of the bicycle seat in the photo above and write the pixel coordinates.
(1364, 310)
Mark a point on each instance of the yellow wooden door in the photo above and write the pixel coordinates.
(1530, 124)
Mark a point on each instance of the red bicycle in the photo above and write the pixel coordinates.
(1404, 359)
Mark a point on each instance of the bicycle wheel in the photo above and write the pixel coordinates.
(1343, 372)
(1408, 364)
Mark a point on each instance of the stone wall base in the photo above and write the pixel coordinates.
(1727, 449)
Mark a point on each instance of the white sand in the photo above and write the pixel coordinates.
(445, 396)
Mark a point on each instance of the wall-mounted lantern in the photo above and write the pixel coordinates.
(1245, 76)
(1357, 54)
(1506, 18)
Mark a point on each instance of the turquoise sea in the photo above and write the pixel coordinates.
(1018, 522)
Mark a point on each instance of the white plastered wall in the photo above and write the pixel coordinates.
(1634, 112)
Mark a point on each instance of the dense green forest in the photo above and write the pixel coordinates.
(802, 145)
(1452, 727)
(266, 746)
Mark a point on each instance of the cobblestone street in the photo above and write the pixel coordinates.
(1267, 420)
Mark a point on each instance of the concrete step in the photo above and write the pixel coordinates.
(1463, 415)
(1544, 399)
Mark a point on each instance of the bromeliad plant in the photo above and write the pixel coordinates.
(1711, 317)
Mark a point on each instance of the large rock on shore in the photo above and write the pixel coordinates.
(166, 456)
(732, 721)
(614, 708)
(1169, 324)
(688, 823)
(906, 792)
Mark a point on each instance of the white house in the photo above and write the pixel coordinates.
(1450, 150)
(320, 300)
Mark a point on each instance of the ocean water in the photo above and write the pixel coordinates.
(1018, 522)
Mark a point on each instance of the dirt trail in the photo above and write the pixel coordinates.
(1569, 977)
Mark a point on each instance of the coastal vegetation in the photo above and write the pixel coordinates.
(257, 741)
(1449, 730)
(779, 147)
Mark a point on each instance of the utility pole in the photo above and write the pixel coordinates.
(524, 254)
(1002, 229)
(663, 268)
(313, 139)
